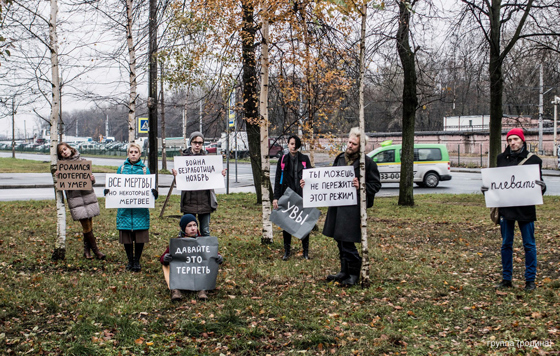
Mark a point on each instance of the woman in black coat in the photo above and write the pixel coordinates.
(289, 173)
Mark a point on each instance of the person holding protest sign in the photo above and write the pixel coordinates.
(516, 153)
(289, 174)
(200, 203)
(189, 228)
(133, 223)
(343, 223)
(82, 204)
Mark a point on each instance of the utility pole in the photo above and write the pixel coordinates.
(541, 109)
(555, 103)
(106, 126)
(152, 91)
(13, 128)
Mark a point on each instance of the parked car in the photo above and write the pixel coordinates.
(275, 150)
(431, 164)
(213, 148)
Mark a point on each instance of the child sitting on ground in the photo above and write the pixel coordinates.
(189, 228)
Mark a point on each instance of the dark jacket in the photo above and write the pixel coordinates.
(288, 176)
(133, 219)
(519, 213)
(343, 222)
(196, 201)
(82, 203)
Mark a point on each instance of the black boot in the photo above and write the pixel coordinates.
(340, 276)
(354, 269)
(138, 248)
(305, 246)
(130, 255)
(287, 246)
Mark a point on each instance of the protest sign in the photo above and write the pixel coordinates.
(512, 186)
(194, 265)
(129, 191)
(292, 217)
(199, 172)
(330, 186)
(73, 175)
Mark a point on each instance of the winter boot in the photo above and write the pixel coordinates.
(305, 247)
(137, 254)
(287, 246)
(340, 276)
(93, 244)
(354, 274)
(176, 295)
(130, 255)
(87, 249)
(202, 295)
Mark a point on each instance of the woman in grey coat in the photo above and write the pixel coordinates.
(82, 203)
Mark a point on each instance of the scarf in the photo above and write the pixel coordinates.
(350, 159)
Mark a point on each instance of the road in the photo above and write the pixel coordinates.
(35, 186)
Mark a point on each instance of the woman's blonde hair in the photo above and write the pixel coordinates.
(134, 144)
(355, 131)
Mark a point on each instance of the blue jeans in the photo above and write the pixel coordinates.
(204, 224)
(528, 234)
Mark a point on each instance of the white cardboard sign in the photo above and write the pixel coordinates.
(512, 186)
(129, 191)
(199, 172)
(329, 186)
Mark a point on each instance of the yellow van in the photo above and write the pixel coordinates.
(431, 164)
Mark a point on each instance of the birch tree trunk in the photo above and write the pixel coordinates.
(265, 161)
(59, 252)
(363, 197)
(132, 74)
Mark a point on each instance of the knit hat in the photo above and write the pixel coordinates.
(185, 220)
(196, 134)
(517, 132)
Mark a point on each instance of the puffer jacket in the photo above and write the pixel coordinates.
(82, 203)
(133, 219)
(196, 201)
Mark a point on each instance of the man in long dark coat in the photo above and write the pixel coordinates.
(343, 222)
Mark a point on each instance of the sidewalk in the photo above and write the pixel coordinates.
(545, 172)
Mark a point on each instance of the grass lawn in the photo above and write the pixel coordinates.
(432, 272)
(11, 165)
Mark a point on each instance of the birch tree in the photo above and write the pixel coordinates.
(59, 252)
(363, 197)
(265, 161)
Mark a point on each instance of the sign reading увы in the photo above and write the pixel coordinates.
(73, 175)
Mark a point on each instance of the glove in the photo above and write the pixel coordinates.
(105, 192)
(167, 258)
(155, 193)
(220, 259)
(483, 189)
(541, 184)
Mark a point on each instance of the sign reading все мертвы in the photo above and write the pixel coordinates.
(129, 191)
